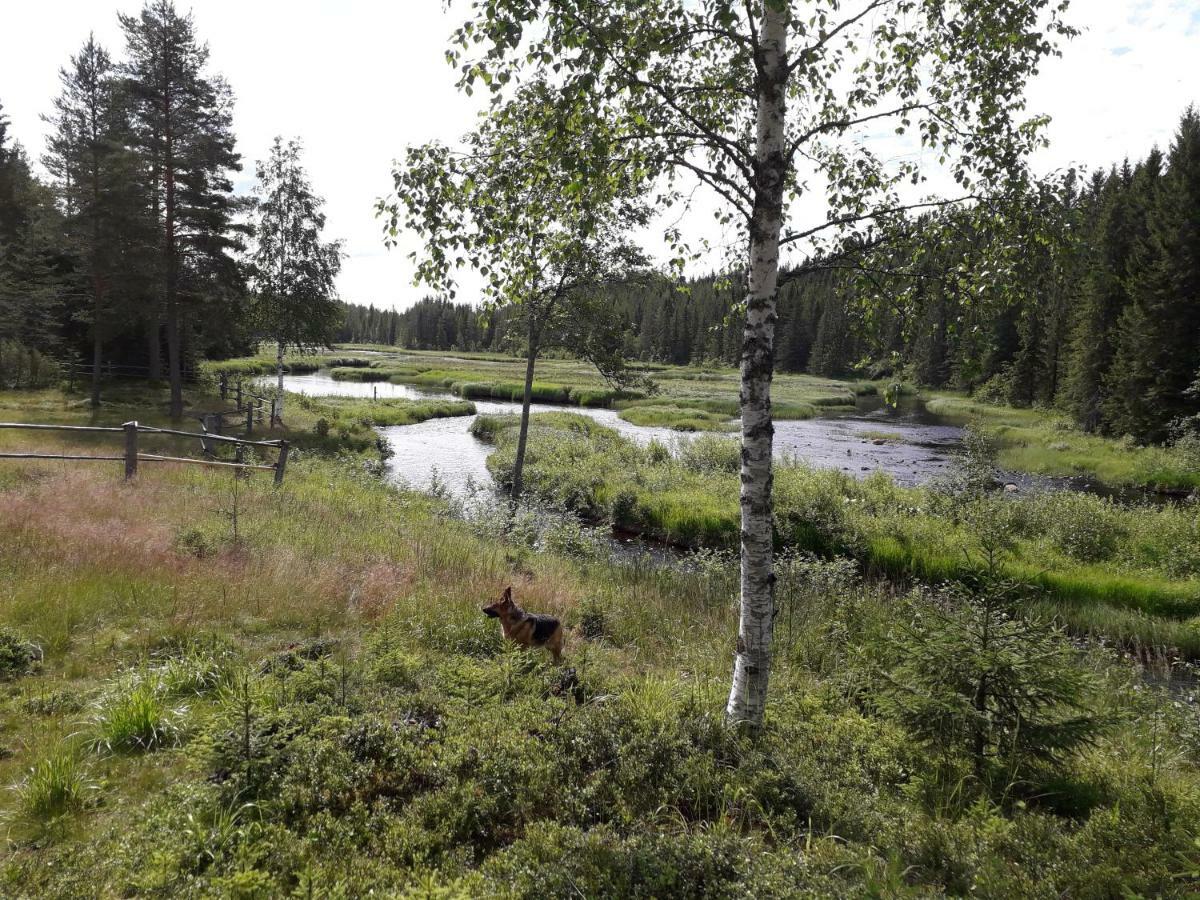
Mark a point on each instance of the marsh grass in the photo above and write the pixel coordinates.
(1044, 443)
(677, 418)
(137, 718)
(495, 376)
(57, 785)
(1079, 550)
(265, 364)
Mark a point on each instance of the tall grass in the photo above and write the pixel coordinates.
(57, 784)
(136, 718)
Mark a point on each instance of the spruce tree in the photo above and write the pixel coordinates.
(1159, 332)
(1104, 297)
(105, 221)
(32, 266)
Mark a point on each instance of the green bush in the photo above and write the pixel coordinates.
(25, 367)
(1081, 526)
(17, 655)
(709, 453)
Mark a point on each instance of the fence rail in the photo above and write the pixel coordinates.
(132, 456)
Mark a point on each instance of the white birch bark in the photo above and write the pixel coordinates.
(752, 663)
(518, 479)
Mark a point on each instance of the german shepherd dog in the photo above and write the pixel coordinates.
(526, 629)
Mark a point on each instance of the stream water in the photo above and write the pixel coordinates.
(906, 443)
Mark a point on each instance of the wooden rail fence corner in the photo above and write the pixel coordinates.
(133, 456)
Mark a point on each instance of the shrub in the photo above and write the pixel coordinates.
(25, 367)
(593, 619)
(55, 703)
(657, 452)
(710, 453)
(1082, 526)
(974, 473)
(17, 655)
(198, 542)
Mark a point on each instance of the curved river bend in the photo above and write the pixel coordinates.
(850, 441)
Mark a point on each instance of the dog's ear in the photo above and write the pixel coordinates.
(507, 595)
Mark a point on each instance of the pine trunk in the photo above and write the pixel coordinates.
(154, 347)
(97, 285)
(171, 253)
(526, 400)
(174, 355)
(97, 344)
(752, 663)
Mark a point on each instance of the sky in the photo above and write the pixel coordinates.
(358, 80)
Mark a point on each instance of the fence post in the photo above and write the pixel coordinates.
(206, 425)
(239, 396)
(249, 419)
(224, 383)
(274, 416)
(131, 449)
(281, 463)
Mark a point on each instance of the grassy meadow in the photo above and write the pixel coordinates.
(210, 686)
(317, 708)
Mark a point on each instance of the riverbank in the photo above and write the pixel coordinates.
(1043, 442)
(318, 706)
(1130, 574)
(684, 398)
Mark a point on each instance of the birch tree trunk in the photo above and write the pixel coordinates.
(752, 663)
(526, 400)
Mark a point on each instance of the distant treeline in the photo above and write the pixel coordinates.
(1086, 297)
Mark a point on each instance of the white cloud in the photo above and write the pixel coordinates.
(358, 80)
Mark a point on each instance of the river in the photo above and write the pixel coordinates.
(916, 449)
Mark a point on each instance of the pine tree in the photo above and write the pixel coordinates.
(183, 130)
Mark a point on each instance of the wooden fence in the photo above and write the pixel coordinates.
(248, 406)
(132, 456)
